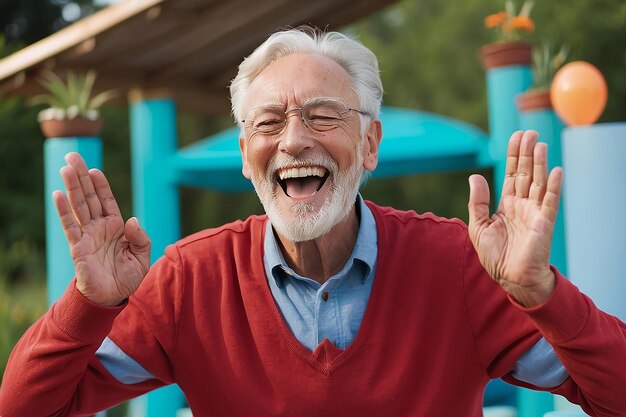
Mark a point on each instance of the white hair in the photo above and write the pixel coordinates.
(358, 61)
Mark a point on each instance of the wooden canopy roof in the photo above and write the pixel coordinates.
(189, 49)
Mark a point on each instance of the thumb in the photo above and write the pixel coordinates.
(478, 205)
(139, 241)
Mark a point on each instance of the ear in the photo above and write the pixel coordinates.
(245, 169)
(373, 136)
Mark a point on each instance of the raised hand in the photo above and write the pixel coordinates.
(514, 243)
(110, 257)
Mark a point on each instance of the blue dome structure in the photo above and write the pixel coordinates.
(413, 142)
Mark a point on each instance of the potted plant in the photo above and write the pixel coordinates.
(511, 28)
(71, 111)
(545, 63)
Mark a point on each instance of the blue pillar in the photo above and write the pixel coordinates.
(503, 85)
(549, 126)
(156, 201)
(59, 265)
(595, 205)
(534, 403)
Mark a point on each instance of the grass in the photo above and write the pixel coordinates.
(23, 298)
(20, 306)
(22, 293)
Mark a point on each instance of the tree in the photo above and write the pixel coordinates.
(428, 54)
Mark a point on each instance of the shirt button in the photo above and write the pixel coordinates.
(325, 296)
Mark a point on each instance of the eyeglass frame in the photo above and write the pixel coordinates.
(313, 101)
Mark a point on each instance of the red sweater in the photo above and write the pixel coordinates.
(436, 330)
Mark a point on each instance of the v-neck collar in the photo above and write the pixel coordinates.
(326, 357)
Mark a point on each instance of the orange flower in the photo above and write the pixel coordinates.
(496, 19)
(524, 23)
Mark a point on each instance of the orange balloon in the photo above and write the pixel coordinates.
(579, 93)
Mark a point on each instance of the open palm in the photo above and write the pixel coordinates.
(110, 257)
(513, 244)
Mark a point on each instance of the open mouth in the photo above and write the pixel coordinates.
(302, 181)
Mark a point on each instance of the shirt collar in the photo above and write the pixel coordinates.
(365, 249)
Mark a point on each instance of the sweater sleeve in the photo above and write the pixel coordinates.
(54, 371)
(591, 345)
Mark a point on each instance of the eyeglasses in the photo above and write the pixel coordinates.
(320, 115)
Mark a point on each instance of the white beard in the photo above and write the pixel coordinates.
(301, 222)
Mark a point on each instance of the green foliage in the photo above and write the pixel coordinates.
(22, 293)
(27, 21)
(428, 56)
(596, 32)
(72, 97)
(21, 176)
(546, 62)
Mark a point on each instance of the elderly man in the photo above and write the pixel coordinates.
(328, 304)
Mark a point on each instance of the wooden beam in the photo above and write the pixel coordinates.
(158, 43)
(11, 84)
(231, 55)
(196, 96)
(72, 35)
(238, 35)
(207, 104)
(140, 33)
(187, 6)
(196, 101)
(136, 33)
(195, 33)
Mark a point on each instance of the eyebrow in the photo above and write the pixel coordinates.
(312, 100)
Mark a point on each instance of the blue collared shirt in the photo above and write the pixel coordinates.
(333, 310)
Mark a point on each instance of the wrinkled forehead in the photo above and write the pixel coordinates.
(297, 78)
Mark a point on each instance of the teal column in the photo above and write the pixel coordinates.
(533, 403)
(549, 126)
(595, 208)
(156, 202)
(59, 265)
(503, 85)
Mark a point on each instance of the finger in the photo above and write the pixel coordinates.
(70, 226)
(139, 241)
(478, 205)
(524, 175)
(89, 193)
(551, 200)
(75, 195)
(512, 154)
(105, 195)
(540, 173)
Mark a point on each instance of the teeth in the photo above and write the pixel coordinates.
(301, 172)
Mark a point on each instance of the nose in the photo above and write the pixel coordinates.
(296, 137)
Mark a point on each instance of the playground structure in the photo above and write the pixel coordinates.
(588, 241)
(414, 142)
